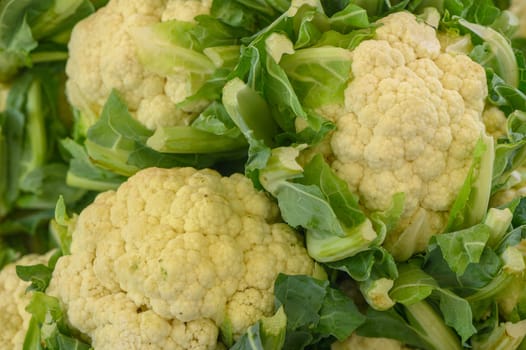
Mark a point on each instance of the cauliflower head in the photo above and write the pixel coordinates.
(518, 7)
(356, 342)
(13, 301)
(410, 122)
(103, 56)
(173, 255)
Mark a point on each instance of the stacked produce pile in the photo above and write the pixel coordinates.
(270, 174)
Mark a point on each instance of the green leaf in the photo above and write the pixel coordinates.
(341, 199)
(294, 293)
(499, 54)
(84, 174)
(351, 17)
(391, 324)
(211, 32)
(373, 263)
(314, 310)
(519, 214)
(457, 313)
(58, 21)
(49, 326)
(215, 119)
(510, 153)
(464, 247)
(346, 41)
(59, 227)
(26, 27)
(117, 142)
(187, 140)
(305, 206)
(471, 204)
(319, 75)
(43, 186)
(115, 136)
(32, 337)
(39, 276)
(483, 12)
(320, 202)
(166, 48)
(16, 39)
(412, 285)
(247, 15)
(339, 316)
(309, 23)
(283, 100)
(474, 277)
(249, 111)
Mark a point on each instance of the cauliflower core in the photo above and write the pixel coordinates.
(103, 56)
(171, 256)
(411, 119)
(13, 301)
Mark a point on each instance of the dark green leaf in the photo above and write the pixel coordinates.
(294, 293)
(342, 201)
(463, 247)
(339, 315)
(39, 276)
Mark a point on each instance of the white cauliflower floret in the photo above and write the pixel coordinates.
(356, 342)
(518, 7)
(170, 256)
(495, 121)
(103, 56)
(13, 301)
(411, 119)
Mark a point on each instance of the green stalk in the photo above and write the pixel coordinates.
(507, 67)
(49, 56)
(249, 111)
(187, 140)
(328, 248)
(496, 286)
(35, 128)
(431, 326)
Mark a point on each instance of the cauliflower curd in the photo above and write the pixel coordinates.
(103, 56)
(13, 301)
(356, 342)
(173, 255)
(518, 7)
(410, 123)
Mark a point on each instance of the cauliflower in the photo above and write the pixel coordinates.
(410, 123)
(518, 7)
(356, 342)
(515, 188)
(13, 300)
(495, 122)
(173, 255)
(103, 56)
